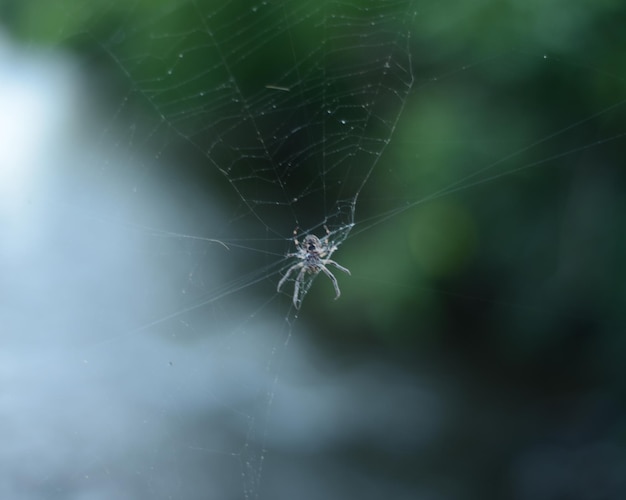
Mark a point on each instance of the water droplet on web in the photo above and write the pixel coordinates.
(169, 71)
(343, 122)
(181, 55)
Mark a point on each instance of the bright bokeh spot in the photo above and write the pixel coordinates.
(35, 100)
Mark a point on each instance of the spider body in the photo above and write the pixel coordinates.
(314, 255)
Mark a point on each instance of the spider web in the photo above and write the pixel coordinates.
(297, 134)
(241, 122)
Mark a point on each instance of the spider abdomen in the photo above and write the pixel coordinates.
(313, 263)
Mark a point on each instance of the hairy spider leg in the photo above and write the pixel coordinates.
(333, 279)
(288, 273)
(296, 287)
(340, 267)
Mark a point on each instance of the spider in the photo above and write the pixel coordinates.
(314, 255)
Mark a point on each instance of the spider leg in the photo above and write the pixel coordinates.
(287, 274)
(327, 235)
(341, 268)
(333, 279)
(296, 287)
